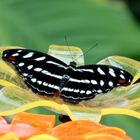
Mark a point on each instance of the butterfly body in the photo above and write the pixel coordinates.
(47, 75)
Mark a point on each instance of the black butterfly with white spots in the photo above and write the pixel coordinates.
(49, 76)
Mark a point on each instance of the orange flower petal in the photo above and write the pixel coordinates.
(72, 138)
(28, 124)
(43, 122)
(127, 138)
(103, 137)
(24, 130)
(74, 128)
(109, 130)
(87, 130)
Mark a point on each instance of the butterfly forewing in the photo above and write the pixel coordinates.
(47, 75)
(41, 72)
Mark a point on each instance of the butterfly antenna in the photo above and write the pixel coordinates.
(68, 47)
(86, 52)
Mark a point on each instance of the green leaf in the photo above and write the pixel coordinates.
(38, 24)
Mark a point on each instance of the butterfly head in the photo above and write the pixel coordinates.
(73, 64)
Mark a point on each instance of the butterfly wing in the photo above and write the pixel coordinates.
(47, 75)
(41, 72)
(86, 82)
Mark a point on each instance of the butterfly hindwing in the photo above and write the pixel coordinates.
(86, 82)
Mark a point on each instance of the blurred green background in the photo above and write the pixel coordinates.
(112, 24)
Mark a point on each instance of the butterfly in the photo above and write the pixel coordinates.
(48, 76)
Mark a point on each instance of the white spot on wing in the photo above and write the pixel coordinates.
(101, 82)
(81, 70)
(56, 87)
(21, 64)
(15, 54)
(50, 85)
(70, 89)
(94, 82)
(100, 71)
(82, 91)
(99, 91)
(33, 80)
(122, 71)
(122, 76)
(64, 89)
(38, 69)
(51, 62)
(30, 54)
(5, 54)
(25, 74)
(19, 51)
(112, 72)
(13, 62)
(74, 80)
(57, 64)
(88, 92)
(30, 67)
(110, 83)
(46, 72)
(86, 70)
(50, 74)
(79, 81)
(76, 90)
(39, 82)
(129, 81)
(40, 58)
(45, 84)
(86, 81)
(67, 89)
